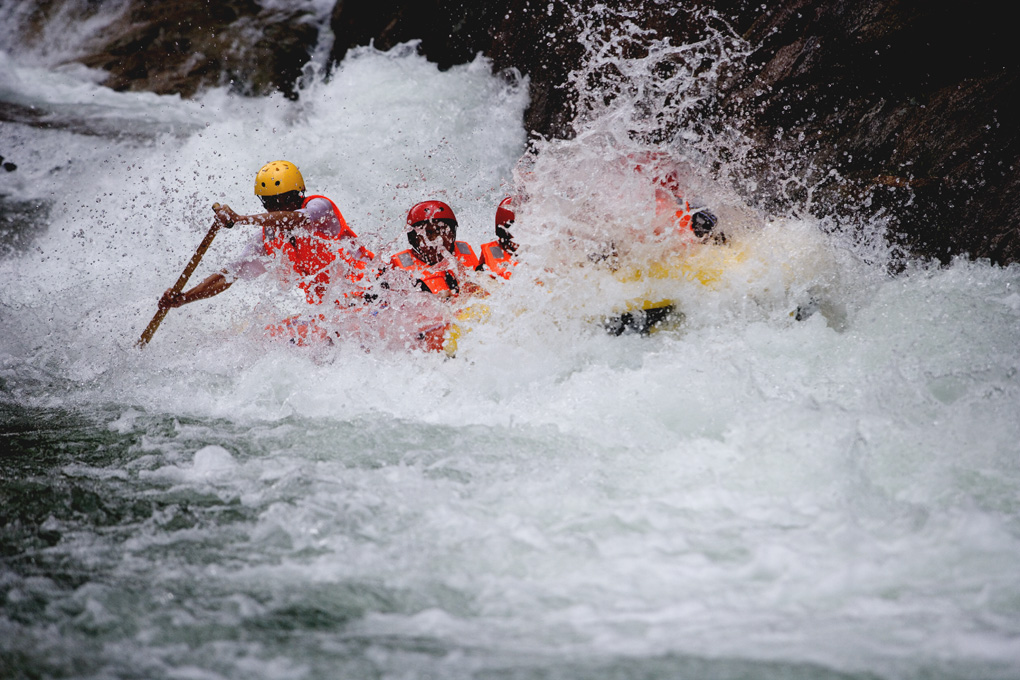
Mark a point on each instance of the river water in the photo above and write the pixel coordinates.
(741, 495)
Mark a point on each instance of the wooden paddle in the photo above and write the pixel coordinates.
(182, 280)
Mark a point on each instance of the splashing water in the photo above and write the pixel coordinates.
(739, 495)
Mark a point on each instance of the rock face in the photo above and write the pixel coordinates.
(910, 102)
(182, 46)
(901, 108)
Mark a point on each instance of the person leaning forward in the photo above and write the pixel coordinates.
(432, 234)
(498, 256)
(308, 234)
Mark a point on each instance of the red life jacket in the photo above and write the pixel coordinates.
(436, 281)
(496, 259)
(311, 254)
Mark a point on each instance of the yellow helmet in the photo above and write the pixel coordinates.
(278, 177)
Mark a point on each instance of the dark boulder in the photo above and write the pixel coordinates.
(908, 101)
(451, 32)
(184, 46)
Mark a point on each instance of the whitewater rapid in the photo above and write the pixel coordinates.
(746, 495)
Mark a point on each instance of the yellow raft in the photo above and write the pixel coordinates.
(466, 318)
(705, 264)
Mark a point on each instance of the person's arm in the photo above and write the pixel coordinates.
(248, 266)
(281, 219)
(466, 286)
(213, 285)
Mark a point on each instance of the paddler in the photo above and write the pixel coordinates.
(671, 204)
(432, 234)
(306, 233)
(498, 256)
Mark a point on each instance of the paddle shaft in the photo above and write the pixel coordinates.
(182, 280)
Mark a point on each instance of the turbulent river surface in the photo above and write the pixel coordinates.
(743, 494)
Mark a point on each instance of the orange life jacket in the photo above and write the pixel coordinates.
(668, 192)
(496, 259)
(465, 254)
(681, 209)
(435, 280)
(311, 254)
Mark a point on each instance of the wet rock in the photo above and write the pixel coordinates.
(907, 101)
(893, 108)
(450, 31)
(183, 46)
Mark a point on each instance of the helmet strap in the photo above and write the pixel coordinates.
(290, 200)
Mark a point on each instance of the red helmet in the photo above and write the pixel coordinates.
(504, 213)
(430, 210)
